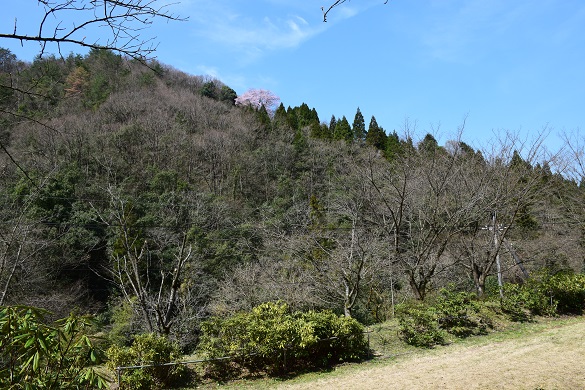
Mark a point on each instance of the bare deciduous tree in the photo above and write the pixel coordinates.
(156, 290)
(119, 24)
(506, 186)
(345, 254)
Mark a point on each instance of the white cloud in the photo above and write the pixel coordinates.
(271, 34)
(252, 29)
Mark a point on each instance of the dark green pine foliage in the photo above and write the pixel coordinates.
(393, 147)
(376, 136)
(428, 145)
(521, 166)
(316, 131)
(209, 90)
(228, 95)
(319, 131)
(304, 115)
(107, 70)
(47, 76)
(519, 163)
(279, 120)
(291, 119)
(300, 141)
(264, 121)
(326, 132)
(332, 124)
(359, 126)
(343, 130)
(314, 115)
(407, 146)
(525, 220)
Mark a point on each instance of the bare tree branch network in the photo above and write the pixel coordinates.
(115, 25)
(326, 9)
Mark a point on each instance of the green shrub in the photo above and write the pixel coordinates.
(546, 295)
(419, 325)
(522, 302)
(34, 355)
(567, 290)
(460, 313)
(270, 338)
(145, 350)
(333, 338)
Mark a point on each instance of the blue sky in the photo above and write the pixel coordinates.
(502, 65)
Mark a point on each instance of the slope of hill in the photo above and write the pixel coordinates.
(149, 197)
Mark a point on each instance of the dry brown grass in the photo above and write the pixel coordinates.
(550, 358)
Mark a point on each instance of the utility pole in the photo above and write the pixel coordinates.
(498, 264)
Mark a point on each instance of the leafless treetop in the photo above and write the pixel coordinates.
(117, 25)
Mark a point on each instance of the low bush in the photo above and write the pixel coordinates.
(567, 290)
(334, 339)
(270, 339)
(419, 325)
(517, 302)
(461, 314)
(145, 350)
(546, 295)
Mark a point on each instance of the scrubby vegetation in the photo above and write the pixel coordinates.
(147, 198)
(148, 349)
(272, 339)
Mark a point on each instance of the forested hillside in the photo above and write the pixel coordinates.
(145, 196)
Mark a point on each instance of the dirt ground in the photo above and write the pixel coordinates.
(551, 359)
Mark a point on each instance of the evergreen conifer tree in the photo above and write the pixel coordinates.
(227, 94)
(428, 145)
(292, 119)
(359, 126)
(393, 147)
(332, 124)
(280, 117)
(263, 119)
(314, 115)
(343, 130)
(304, 115)
(316, 131)
(376, 135)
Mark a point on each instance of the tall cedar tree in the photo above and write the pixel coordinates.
(428, 145)
(292, 119)
(304, 115)
(359, 126)
(393, 147)
(343, 130)
(332, 124)
(280, 117)
(376, 136)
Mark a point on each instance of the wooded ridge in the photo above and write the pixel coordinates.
(147, 197)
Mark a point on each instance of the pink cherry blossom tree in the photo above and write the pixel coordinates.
(258, 98)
